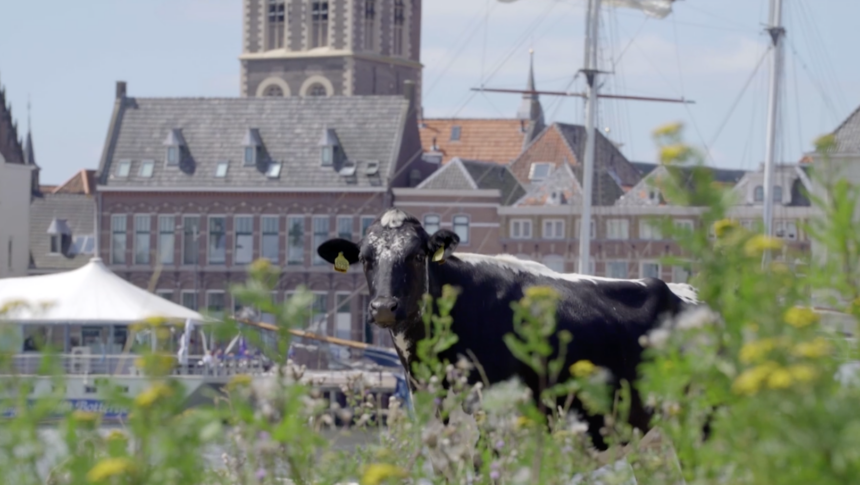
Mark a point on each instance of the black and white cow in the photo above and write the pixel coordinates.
(606, 317)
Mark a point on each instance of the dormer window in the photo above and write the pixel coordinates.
(539, 171)
(251, 144)
(221, 169)
(61, 236)
(173, 144)
(123, 169)
(146, 168)
(274, 170)
(328, 147)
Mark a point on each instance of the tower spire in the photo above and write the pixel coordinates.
(531, 111)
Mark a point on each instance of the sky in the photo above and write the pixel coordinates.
(65, 58)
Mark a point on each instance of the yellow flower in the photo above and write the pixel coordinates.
(760, 243)
(674, 153)
(779, 379)
(116, 435)
(800, 317)
(802, 372)
(756, 350)
(523, 421)
(723, 226)
(84, 417)
(582, 368)
(669, 129)
(110, 467)
(818, 347)
(377, 473)
(750, 380)
(148, 397)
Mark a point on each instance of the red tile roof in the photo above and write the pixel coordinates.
(492, 140)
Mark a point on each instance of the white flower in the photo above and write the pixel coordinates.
(657, 338)
(696, 317)
(505, 396)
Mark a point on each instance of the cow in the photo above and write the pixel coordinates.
(606, 317)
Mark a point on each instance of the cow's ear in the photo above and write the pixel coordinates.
(336, 250)
(442, 245)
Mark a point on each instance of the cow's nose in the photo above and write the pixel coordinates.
(382, 309)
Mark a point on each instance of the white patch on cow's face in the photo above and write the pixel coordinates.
(521, 266)
(393, 219)
(685, 292)
(402, 345)
(387, 248)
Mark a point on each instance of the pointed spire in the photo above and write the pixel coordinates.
(531, 111)
(10, 142)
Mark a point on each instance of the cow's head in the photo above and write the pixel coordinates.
(395, 254)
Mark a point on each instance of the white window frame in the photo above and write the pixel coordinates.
(438, 222)
(554, 232)
(113, 231)
(172, 233)
(642, 268)
(523, 223)
(463, 242)
(235, 235)
(316, 260)
(147, 259)
(351, 220)
(311, 321)
(190, 292)
(290, 218)
(623, 226)
(196, 244)
(225, 235)
(648, 230)
(278, 236)
(534, 165)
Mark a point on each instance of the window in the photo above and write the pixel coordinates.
(648, 230)
(123, 169)
(461, 228)
(296, 233)
(166, 239)
(166, 294)
(455, 133)
(684, 224)
(539, 171)
(758, 194)
(326, 156)
(118, 238)
(344, 227)
(593, 228)
(274, 170)
(521, 229)
(173, 155)
(777, 193)
(215, 303)
(142, 224)
(56, 244)
(319, 18)
(317, 89)
(221, 169)
(321, 230)
(431, 223)
(275, 33)
(189, 300)
(654, 195)
(650, 270)
(617, 229)
(271, 234)
(250, 155)
(366, 222)
(680, 274)
(243, 252)
(399, 19)
(273, 91)
(146, 168)
(554, 262)
(617, 269)
(217, 240)
(553, 229)
(369, 24)
(82, 245)
(319, 307)
(190, 233)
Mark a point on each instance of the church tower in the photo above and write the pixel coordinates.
(330, 48)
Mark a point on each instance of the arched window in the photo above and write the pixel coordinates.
(274, 91)
(758, 194)
(431, 223)
(317, 89)
(399, 19)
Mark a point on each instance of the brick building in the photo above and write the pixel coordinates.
(191, 190)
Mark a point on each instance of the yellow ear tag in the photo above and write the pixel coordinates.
(341, 265)
(438, 255)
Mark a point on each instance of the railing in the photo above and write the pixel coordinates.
(125, 365)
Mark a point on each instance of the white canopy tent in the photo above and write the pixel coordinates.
(90, 294)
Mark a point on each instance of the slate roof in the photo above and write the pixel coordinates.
(644, 168)
(489, 140)
(848, 134)
(607, 156)
(78, 210)
(638, 195)
(561, 187)
(369, 128)
(474, 175)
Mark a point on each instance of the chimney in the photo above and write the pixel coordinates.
(409, 92)
(120, 89)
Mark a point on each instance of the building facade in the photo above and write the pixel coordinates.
(329, 48)
(191, 191)
(19, 177)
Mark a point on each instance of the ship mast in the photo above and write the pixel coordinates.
(590, 71)
(777, 32)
